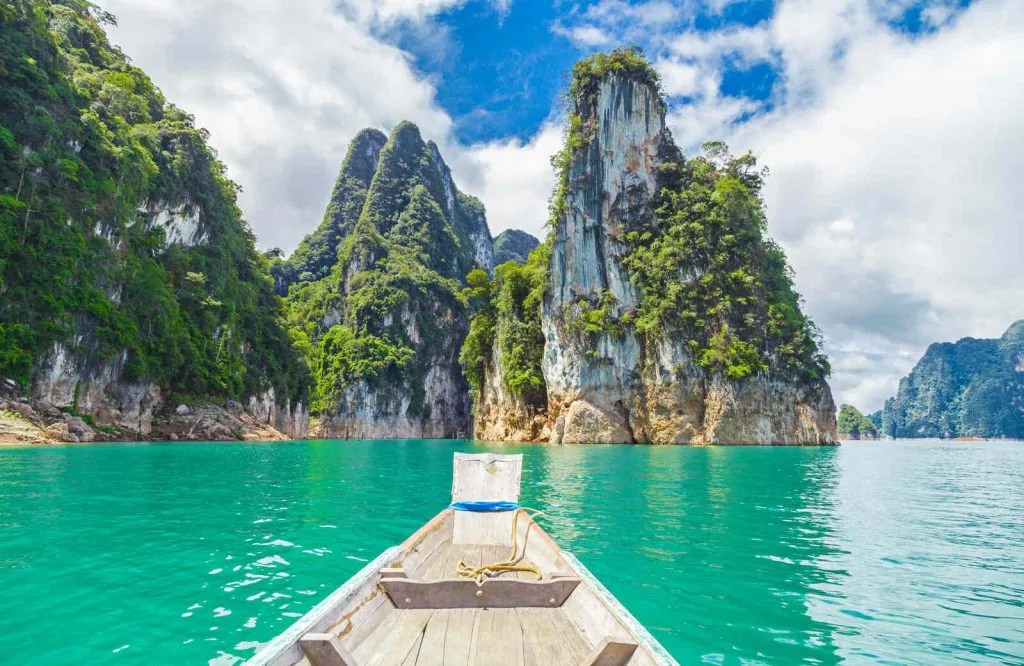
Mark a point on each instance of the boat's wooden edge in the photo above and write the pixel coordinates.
(428, 527)
(288, 641)
(639, 632)
(287, 645)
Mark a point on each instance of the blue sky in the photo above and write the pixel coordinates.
(891, 128)
(500, 72)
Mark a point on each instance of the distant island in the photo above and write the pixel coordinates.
(513, 245)
(852, 424)
(973, 388)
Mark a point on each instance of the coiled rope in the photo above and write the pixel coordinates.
(480, 574)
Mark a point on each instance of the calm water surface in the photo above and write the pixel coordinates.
(888, 553)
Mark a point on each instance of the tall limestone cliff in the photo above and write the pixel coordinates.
(656, 311)
(318, 252)
(127, 273)
(970, 388)
(375, 296)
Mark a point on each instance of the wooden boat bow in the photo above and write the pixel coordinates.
(410, 607)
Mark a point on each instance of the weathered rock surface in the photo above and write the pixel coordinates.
(622, 388)
(215, 423)
(127, 409)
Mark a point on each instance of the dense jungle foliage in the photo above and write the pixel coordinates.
(971, 388)
(507, 311)
(90, 151)
(708, 273)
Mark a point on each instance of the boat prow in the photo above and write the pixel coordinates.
(432, 600)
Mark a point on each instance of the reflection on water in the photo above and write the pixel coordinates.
(869, 553)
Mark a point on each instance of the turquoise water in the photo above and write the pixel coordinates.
(894, 553)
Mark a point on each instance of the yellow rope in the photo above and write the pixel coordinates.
(512, 563)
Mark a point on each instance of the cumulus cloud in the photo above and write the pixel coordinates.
(514, 179)
(893, 180)
(618, 22)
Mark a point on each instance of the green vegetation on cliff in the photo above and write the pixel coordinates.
(318, 252)
(513, 245)
(854, 424)
(101, 179)
(507, 311)
(708, 272)
(971, 388)
(387, 307)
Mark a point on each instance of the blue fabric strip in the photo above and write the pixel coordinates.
(484, 507)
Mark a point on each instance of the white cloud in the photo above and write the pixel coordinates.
(387, 11)
(585, 36)
(619, 23)
(751, 44)
(678, 79)
(516, 179)
(894, 184)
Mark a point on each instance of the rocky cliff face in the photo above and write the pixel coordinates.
(971, 388)
(317, 253)
(385, 323)
(615, 366)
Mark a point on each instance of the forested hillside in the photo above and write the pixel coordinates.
(124, 258)
(971, 388)
(513, 245)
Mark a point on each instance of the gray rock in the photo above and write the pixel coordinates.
(233, 406)
(183, 410)
(79, 428)
(48, 409)
(22, 408)
(10, 387)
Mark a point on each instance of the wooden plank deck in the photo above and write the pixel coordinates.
(443, 562)
(471, 637)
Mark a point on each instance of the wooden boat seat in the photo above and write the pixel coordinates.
(492, 593)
